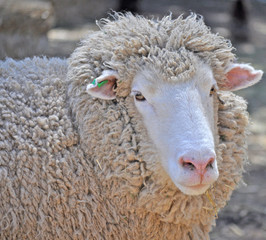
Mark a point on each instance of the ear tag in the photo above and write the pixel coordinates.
(102, 83)
(96, 84)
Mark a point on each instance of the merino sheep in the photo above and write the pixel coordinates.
(81, 158)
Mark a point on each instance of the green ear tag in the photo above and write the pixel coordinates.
(102, 83)
(93, 82)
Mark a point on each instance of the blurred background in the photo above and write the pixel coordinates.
(54, 28)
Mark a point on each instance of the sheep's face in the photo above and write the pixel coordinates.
(179, 118)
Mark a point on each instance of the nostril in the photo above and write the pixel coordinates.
(187, 164)
(210, 163)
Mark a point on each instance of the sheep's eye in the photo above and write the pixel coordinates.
(212, 91)
(139, 97)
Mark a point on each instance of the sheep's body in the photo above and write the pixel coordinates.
(87, 170)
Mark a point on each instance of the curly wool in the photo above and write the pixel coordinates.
(74, 167)
(130, 42)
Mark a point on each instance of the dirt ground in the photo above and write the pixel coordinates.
(245, 215)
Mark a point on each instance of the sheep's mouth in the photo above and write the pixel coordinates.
(197, 189)
(198, 186)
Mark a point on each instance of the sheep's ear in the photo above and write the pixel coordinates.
(240, 76)
(103, 86)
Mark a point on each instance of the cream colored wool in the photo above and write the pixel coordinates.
(75, 167)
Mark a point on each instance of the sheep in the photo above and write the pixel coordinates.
(136, 136)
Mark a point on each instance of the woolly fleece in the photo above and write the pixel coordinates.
(75, 167)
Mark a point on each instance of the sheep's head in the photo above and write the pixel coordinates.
(172, 69)
(179, 116)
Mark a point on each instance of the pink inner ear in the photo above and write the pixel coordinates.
(238, 76)
(242, 76)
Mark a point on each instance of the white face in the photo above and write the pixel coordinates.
(179, 119)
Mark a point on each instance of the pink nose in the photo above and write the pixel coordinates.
(200, 166)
